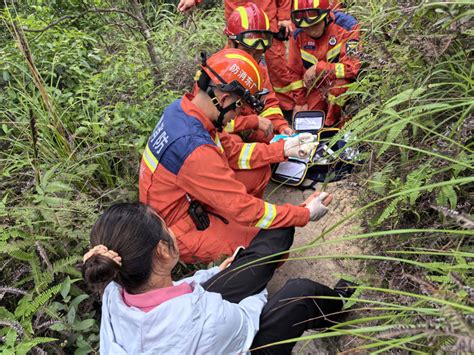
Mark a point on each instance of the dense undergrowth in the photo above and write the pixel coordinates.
(78, 100)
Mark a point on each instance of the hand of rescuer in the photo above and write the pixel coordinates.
(300, 146)
(309, 76)
(286, 24)
(317, 205)
(265, 125)
(185, 5)
(287, 130)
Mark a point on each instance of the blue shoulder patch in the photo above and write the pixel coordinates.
(344, 20)
(297, 33)
(176, 136)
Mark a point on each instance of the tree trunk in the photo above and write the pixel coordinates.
(145, 31)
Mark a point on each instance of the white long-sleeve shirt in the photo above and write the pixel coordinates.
(200, 322)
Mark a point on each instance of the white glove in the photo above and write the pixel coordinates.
(300, 146)
(316, 208)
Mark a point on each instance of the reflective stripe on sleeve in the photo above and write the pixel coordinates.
(271, 111)
(230, 127)
(269, 215)
(293, 86)
(218, 143)
(150, 159)
(246, 155)
(340, 71)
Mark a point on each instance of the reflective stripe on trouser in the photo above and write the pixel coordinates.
(290, 87)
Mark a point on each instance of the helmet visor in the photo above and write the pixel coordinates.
(260, 40)
(307, 17)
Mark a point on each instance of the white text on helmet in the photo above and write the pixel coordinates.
(242, 75)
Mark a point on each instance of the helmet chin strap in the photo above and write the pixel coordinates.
(219, 123)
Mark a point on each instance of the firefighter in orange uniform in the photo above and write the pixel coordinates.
(278, 12)
(248, 28)
(189, 170)
(323, 57)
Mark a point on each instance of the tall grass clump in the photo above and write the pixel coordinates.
(412, 107)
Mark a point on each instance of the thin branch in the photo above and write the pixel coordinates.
(43, 255)
(14, 325)
(15, 291)
(145, 31)
(47, 324)
(39, 350)
(75, 17)
(22, 44)
(462, 219)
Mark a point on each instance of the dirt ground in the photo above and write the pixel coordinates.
(326, 271)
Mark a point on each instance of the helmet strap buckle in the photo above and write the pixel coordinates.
(219, 123)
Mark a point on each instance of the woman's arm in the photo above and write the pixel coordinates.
(237, 324)
(200, 276)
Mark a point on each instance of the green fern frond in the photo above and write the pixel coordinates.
(41, 278)
(392, 135)
(28, 305)
(389, 210)
(456, 323)
(60, 265)
(7, 248)
(21, 255)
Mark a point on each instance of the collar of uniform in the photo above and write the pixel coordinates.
(192, 110)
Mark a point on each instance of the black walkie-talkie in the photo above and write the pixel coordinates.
(198, 214)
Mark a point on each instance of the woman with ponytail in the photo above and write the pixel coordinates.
(221, 310)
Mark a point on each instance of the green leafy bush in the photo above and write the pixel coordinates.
(73, 127)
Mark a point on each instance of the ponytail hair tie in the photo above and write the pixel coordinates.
(104, 251)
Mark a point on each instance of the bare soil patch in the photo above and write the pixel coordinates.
(325, 271)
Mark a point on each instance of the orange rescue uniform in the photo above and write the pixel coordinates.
(247, 120)
(186, 155)
(275, 57)
(335, 55)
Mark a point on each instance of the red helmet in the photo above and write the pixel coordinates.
(249, 26)
(234, 71)
(306, 13)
